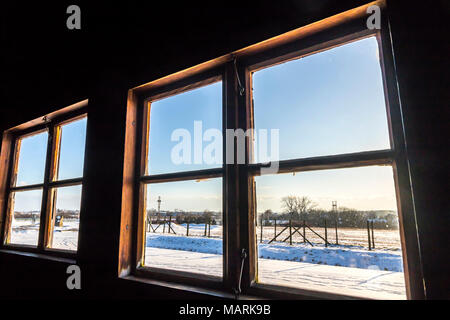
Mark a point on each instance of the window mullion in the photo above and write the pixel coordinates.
(231, 243)
(237, 233)
(246, 182)
(46, 195)
(406, 212)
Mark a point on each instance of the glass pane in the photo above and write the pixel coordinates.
(317, 227)
(184, 226)
(32, 155)
(71, 156)
(25, 220)
(66, 218)
(327, 103)
(186, 131)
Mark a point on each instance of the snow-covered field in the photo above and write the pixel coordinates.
(65, 237)
(363, 283)
(346, 269)
(349, 270)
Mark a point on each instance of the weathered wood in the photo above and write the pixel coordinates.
(368, 235)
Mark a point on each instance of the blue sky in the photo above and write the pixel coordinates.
(328, 103)
(32, 162)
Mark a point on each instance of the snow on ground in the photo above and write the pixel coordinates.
(65, 237)
(346, 256)
(350, 270)
(363, 283)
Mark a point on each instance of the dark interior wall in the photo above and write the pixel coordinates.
(46, 67)
(421, 49)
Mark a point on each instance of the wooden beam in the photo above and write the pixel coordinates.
(128, 187)
(181, 176)
(349, 160)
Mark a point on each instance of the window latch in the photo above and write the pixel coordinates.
(237, 291)
(241, 88)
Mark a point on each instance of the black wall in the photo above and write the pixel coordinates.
(45, 66)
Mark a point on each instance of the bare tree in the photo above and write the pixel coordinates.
(289, 204)
(297, 206)
(304, 204)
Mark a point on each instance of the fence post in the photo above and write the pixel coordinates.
(290, 231)
(373, 238)
(336, 228)
(326, 234)
(209, 229)
(164, 224)
(170, 223)
(261, 238)
(187, 229)
(304, 231)
(368, 234)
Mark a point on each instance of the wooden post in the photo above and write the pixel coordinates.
(368, 234)
(170, 223)
(164, 224)
(290, 232)
(336, 228)
(261, 238)
(326, 234)
(373, 238)
(209, 229)
(187, 229)
(304, 231)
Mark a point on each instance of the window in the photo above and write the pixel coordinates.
(326, 104)
(45, 182)
(182, 185)
(310, 182)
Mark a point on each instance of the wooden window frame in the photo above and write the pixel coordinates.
(238, 179)
(143, 179)
(52, 124)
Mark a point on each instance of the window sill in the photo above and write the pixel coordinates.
(192, 289)
(38, 256)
